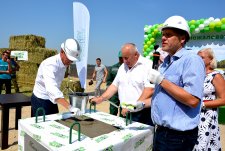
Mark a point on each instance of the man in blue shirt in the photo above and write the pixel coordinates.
(176, 102)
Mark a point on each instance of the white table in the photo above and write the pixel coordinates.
(51, 135)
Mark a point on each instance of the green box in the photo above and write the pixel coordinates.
(222, 115)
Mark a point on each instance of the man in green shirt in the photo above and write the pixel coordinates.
(111, 75)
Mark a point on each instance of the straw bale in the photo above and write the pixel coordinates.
(26, 41)
(37, 55)
(35, 46)
(28, 67)
(72, 83)
(2, 50)
(26, 78)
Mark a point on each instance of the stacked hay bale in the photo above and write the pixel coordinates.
(26, 42)
(35, 46)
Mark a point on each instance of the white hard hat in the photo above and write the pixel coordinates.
(177, 22)
(72, 49)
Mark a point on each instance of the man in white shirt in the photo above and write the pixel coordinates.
(51, 72)
(132, 83)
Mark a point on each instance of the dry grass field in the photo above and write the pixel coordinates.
(13, 138)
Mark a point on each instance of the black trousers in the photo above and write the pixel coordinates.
(48, 106)
(7, 83)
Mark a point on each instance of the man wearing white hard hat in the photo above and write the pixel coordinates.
(176, 102)
(51, 72)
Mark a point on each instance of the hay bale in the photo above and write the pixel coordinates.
(27, 68)
(35, 46)
(26, 42)
(72, 83)
(24, 79)
(37, 55)
(2, 50)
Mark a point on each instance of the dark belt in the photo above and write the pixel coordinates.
(162, 128)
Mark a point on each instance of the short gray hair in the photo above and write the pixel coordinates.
(135, 49)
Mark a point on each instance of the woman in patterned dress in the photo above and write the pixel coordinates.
(214, 96)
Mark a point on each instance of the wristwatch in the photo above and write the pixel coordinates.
(143, 104)
(203, 106)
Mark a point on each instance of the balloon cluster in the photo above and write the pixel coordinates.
(152, 32)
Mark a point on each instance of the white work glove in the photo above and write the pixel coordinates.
(134, 107)
(75, 111)
(67, 115)
(155, 77)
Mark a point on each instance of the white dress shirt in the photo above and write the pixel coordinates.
(50, 74)
(131, 82)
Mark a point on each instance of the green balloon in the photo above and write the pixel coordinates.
(152, 40)
(151, 47)
(192, 28)
(149, 36)
(218, 24)
(218, 29)
(223, 27)
(212, 25)
(149, 43)
(151, 57)
(158, 34)
(145, 54)
(146, 39)
(145, 47)
(206, 29)
(192, 22)
(202, 21)
(148, 50)
(202, 31)
(223, 20)
(197, 23)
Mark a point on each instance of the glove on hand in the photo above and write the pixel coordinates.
(155, 77)
(75, 111)
(135, 107)
(67, 115)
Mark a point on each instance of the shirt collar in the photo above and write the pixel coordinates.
(139, 61)
(176, 56)
(59, 60)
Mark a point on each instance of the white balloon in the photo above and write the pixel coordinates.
(211, 19)
(206, 22)
(201, 26)
(151, 54)
(145, 36)
(197, 30)
(146, 29)
(217, 20)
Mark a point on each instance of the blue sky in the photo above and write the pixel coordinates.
(112, 22)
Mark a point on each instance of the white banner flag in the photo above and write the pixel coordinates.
(81, 21)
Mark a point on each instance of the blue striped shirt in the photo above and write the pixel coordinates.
(186, 70)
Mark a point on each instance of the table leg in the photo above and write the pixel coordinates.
(18, 116)
(4, 127)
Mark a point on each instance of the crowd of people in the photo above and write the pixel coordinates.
(183, 85)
